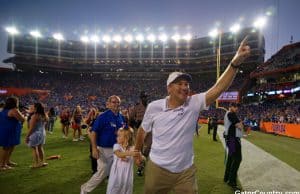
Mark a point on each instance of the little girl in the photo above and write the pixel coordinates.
(121, 173)
(35, 137)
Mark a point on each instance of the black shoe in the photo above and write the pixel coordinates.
(234, 186)
(139, 172)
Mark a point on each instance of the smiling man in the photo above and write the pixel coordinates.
(172, 121)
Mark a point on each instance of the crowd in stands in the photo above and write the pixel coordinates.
(70, 90)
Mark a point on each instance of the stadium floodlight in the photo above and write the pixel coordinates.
(106, 39)
(176, 37)
(128, 38)
(139, 38)
(187, 37)
(12, 30)
(214, 33)
(117, 38)
(95, 38)
(260, 22)
(84, 39)
(163, 37)
(58, 36)
(35, 34)
(151, 38)
(235, 28)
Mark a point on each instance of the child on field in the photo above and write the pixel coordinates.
(121, 173)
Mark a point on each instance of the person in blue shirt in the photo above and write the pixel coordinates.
(103, 137)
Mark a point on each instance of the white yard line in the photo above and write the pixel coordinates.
(261, 171)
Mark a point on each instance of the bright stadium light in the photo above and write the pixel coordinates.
(214, 33)
(176, 37)
(128, 38)
(117, 38)
(151, 38)
(187, 37)
(235, 28)
(35, 33)
(12, 30)
(106, 39)
(84, 39)
(58, 36)
(163, 37)
(260, 22)
(139, 38)
(95, 38)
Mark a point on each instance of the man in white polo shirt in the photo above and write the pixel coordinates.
(172, 122)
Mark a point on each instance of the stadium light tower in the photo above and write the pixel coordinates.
(128, 38)
(176, 37)
(214, 34)
(95, 39)
(35, 34)
(235, 28)
(260, 22)
(12, 30)
(106, 39)
(151, 38)
(187, 37)
(117, 38)
(140, 38)
(59, 37)
(85, 40)
(163, 37)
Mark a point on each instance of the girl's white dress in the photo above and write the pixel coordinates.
(121, 174)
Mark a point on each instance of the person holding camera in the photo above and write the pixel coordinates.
(232, 134)
(11, 120)
(135, 119)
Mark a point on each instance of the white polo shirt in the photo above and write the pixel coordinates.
(173, 131)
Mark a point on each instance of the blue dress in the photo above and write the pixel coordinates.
(38, 135)
(10, 130)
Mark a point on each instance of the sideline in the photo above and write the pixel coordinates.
(261, 171)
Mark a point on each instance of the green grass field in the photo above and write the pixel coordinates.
(64, 176)
(285, 149)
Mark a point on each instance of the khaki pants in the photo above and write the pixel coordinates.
(162, 181)
(103, 169)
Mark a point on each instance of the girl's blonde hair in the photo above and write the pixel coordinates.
(128, 135)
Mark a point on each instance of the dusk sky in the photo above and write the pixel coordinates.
(74, 17)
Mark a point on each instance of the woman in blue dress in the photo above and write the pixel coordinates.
(36, 135)
(11, 120)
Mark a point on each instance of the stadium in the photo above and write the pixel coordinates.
(64, 74)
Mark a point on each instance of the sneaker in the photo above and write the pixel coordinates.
(81, 138)
(65, 137)
(12, 164)
(75, 139)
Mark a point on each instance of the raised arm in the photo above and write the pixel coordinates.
(229, 74)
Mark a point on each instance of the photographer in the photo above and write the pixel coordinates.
(232, 134)
(214, 126)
